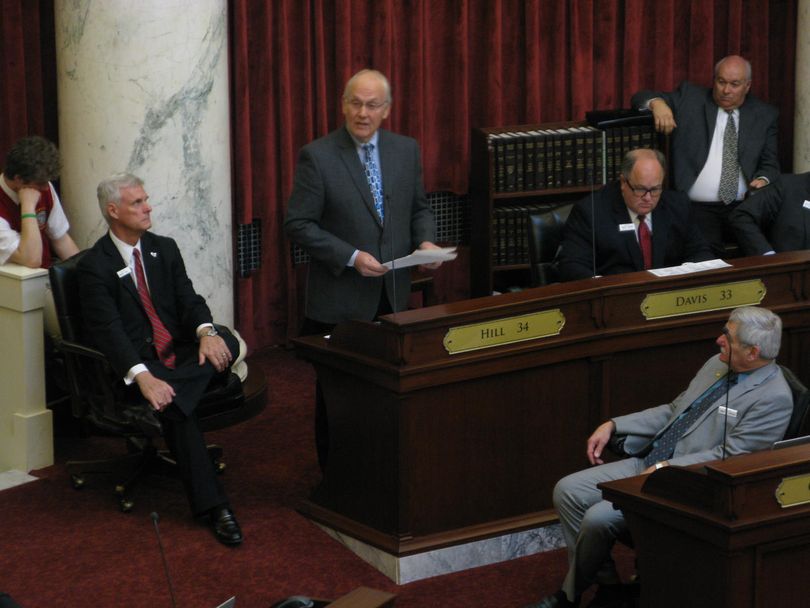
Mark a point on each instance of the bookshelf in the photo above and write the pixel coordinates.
(519, 169)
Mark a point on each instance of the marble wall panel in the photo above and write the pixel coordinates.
(143, 88)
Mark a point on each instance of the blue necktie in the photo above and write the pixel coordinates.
(664, 445)
(374, 179)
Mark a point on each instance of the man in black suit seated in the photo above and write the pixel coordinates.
(140, 309)
(697, 117)
(776, 218)
(631, 225)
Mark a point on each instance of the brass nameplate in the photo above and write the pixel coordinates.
(702, 299)
(793, 491)
(504, 331)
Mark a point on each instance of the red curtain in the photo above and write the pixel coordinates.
(453, 65)
(27, 72)
(458, 64)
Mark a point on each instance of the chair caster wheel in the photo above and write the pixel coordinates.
(77, 481)
(219, 467)
(125, 505)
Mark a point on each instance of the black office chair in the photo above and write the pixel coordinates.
(545, 233)
(799, 422)
(98, 398)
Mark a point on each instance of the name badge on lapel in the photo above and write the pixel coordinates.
(123, 272)
(627, 227)
(727, 412)
(806, 204)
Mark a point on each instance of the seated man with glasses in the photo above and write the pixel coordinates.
(631, 225)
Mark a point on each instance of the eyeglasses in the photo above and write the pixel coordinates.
(641, 191)
(371, 106)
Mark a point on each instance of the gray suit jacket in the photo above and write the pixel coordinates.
(763, 404)
(696, 115)
(331, 213)
(774, 218)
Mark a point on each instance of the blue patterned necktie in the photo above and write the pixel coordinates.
(664, 445)
(374, 179)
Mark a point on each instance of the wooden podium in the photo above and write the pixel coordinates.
(432, 445)
(715, 535)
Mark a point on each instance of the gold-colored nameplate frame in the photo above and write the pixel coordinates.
(702, 299)
(793, 491)
(504, 331)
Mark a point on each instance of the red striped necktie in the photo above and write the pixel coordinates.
(645, 242)
(160, 335)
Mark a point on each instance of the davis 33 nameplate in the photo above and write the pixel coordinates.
(504, 331)
(702, 299)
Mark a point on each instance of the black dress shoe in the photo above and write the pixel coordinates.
(145, 418)
(558, 600)
(225, 526)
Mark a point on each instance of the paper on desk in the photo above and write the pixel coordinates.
(688, 267)
(423, 256)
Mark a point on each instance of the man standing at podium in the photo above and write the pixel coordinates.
(689, 430)
(357, 201)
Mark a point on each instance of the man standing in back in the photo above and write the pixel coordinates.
(723, 143)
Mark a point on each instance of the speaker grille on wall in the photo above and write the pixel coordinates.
(452, 214)
(249, 247)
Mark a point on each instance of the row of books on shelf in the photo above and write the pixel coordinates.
(526, 161)
(510, 233)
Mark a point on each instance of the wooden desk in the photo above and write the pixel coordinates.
(430, 449)
(715, 536)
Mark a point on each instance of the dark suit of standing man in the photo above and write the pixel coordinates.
(697, 117)
(776, 218)
(167, 385)
(612, 221)
(332, 215)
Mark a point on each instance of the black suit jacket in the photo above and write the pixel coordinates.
(774, 218)
(331, 213)
(114, 318)
(675, 238)
(696, 115)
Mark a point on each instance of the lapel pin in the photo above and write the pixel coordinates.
(153, 254)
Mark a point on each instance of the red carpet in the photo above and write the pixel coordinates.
(62, 547)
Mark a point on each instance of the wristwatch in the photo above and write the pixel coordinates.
(210, 331)
(659, 465)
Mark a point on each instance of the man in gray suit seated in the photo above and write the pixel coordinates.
(687, 431)
(723, 143)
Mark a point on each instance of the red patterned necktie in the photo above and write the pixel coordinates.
(160, 335)
(645, 242)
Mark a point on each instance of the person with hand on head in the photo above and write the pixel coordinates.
(695, 427)
(724, 143)
(357, 200)
(33, 226)
(140, 309)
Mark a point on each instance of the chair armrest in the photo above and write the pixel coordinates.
(80, 350)
(616, 444)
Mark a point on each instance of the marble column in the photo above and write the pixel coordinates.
(801, 129)
(26, 424)
(143, 88)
